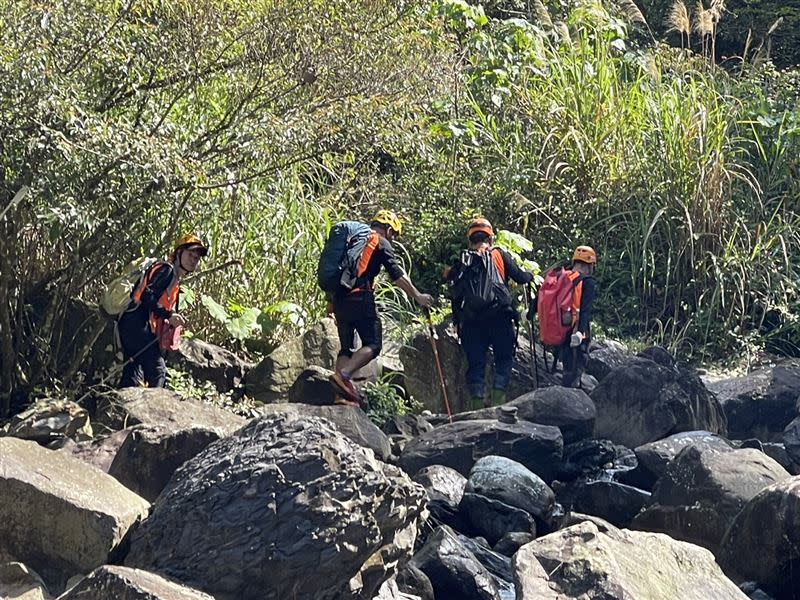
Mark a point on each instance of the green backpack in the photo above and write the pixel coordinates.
(117, 295)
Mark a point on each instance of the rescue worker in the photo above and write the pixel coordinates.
(574, 350)
(483, 311)
(154, 303)
(355, 309)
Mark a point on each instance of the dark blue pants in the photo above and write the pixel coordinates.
(143, 359)
(476, 338)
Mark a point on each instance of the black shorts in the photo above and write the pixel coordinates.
(357, 313)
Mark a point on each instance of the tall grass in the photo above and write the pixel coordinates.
(650, 158)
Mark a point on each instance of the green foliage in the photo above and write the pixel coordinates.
(387, 400)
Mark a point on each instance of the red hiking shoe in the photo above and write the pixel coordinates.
(345, 386)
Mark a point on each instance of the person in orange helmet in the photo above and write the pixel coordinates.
(155, 299)
(575, 349)
(483, 311)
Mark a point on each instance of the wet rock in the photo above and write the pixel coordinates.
(583, 561)
(701, 492)
(777, 452)
(207, 362)
(156, 406)
(293, 503)
(151, 454)
(763, 542)
(615, 502)
(122, 583)
(58, 515)
(351, 421)
(460, 445)
(586, 458)
(453, 570)
(643, 401)
(493, 519)
(571, 410)
(412, 581)
(762, 403)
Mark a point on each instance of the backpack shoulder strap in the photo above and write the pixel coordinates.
(497, 258)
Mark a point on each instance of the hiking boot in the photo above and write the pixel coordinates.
(345, 386)
(475, 403)
(498, 397)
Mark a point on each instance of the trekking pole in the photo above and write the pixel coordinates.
(528, 302)
(435, 336)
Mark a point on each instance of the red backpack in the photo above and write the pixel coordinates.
(557, 305)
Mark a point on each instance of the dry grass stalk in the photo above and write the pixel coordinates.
(632, 12)
(542, 14)
(703, 21)
(678, 20)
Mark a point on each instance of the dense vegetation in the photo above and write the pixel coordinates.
(260, 123)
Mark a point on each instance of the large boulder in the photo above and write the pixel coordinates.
(571, 410)
(442, 482)
(207, 362)
(762, 403)
(654, 457)
(351, 421)
(122, 583)
(701, 492)
(313, 387)
(508, 481)
(150, 455)
(605, 356)
(460, 445)
(271, 379)
(59, 515)
(763, 542)
(584, 561)
(615, 502)
(644, 401)
(158, 406)
(301, 510)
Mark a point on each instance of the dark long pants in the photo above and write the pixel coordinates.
(574, 361)
(143, 359)
(476, 338)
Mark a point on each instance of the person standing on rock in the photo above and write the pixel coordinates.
(574, 350)
(483, 311)
(354, 306)
(153, 306)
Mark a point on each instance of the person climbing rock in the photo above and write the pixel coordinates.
(351, 293)
(574, 350)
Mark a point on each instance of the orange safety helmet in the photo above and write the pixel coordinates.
(480, 224)
(191, 241)
(585, 254)
(390, 219)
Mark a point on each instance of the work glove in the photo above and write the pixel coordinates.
(576, 339)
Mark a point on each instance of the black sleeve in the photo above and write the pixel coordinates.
(587, 299)
(158, 284)
(512, 269)
(389, 260)
(452, 276)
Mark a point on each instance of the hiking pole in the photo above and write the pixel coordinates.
(528, 302)
(435, 336)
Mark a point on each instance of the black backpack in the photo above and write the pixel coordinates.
(479, 288)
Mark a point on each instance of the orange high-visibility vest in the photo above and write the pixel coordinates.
(168, 300)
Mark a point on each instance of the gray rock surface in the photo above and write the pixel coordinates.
(207, 362)
(508, 481)
(157, 406)
(300, 509)
(121, 583)
(643, 401)
(763, 542)
(584, 561)
(351, 421)
(702, 491)
(460, 445)
(59, 515)
(791, 440)
(442, 482)
(18, 582)
(99, 452)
